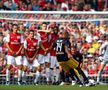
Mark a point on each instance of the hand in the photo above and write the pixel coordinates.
(14, 54)
(37, 47)
(45, 53)
(69, 56)
(17, 53)
(30, 60)
(46, 50)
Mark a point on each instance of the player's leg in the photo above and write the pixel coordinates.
(18, 60)
(103, 64)
(42, 65)
(52, 65)
(10, 61)
(25, 66)
(62, 76)
(72, 63)
(73, 75)
(57, 70)
(85, 81)
(47, 67)
(36, 71)
(64, 68)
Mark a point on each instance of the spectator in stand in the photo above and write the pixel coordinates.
(58, 5)
(35, 5)
(10, 5)
(21, 28)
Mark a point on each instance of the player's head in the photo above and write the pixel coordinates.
(15, 28)
(31, 34)
(65, 34)
(60, 34)
(54, 30)
(106, 36)
(44, 26)
(73, 50)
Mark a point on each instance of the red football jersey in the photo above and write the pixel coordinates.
(44, 42)
(31, 47)
(14, 42)
(53, 38)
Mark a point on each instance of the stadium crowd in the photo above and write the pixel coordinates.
(55, 5)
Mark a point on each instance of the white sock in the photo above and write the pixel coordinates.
(47, 74)
(99, 75)
(52, 75)
(24, 76)
(57, 74)
(19, 74)
(37, 75)
(7, 75)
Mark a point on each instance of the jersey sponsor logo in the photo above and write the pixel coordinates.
(18, 37)
(44, 40)
(11, 37)
(34, 44)
(31, 49)
(15, 43)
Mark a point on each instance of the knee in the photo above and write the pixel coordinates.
(40, 69)
(20, 67)
(47, 64)
(8, 67)
(24, 68)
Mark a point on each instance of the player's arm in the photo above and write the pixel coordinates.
(37, 48)
(21, 47)
(67, 48)
(81, 60)
(25, 48)
(103, 46)
(7, 43)
(41, 45)
(47, 31)
(53, 46)
(34, 55)
(68, 52)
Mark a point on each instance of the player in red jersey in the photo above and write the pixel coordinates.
(31, 47)
(53, 62)
(44, 56)
(14, 43)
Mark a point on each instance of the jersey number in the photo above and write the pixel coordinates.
(59, 47)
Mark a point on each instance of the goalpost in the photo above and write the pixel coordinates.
(54, 16)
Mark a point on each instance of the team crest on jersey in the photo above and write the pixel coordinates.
(34, 44)
(18, 37)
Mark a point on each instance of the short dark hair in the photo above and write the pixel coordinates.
(31, 31)
(14, 25)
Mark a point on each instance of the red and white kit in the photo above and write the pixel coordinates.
(31, 48)
(15, 41)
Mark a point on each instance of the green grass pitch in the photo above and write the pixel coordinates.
(52, 87)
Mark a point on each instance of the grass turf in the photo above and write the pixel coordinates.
(52, 87)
